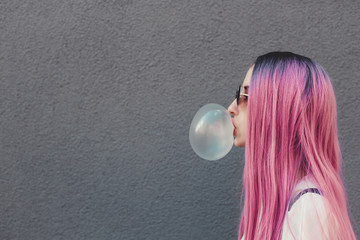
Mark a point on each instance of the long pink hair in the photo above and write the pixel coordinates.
(292, 132)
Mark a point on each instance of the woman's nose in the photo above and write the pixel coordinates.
(232, 109)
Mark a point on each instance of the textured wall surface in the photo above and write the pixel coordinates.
(97, 97)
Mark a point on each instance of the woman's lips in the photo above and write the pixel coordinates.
(234, 131)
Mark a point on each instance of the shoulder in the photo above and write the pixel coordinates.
(308, 217)
(310, 206)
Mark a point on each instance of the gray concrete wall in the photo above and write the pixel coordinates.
(97, 97)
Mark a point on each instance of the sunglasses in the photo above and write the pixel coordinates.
(241, 96)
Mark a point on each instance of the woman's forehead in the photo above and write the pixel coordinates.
(248, 77)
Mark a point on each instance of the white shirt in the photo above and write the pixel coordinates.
(307, 218)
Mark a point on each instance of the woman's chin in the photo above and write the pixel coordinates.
(239, 143)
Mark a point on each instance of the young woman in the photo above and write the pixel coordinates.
(285, 115)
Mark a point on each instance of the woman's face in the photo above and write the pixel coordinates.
(240, 113)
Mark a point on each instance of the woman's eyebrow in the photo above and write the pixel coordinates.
(246, 88)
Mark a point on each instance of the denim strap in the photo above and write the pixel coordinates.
(313, 190)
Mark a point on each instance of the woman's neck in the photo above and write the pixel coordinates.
(300, 175)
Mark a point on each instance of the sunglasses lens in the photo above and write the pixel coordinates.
(238, 95)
